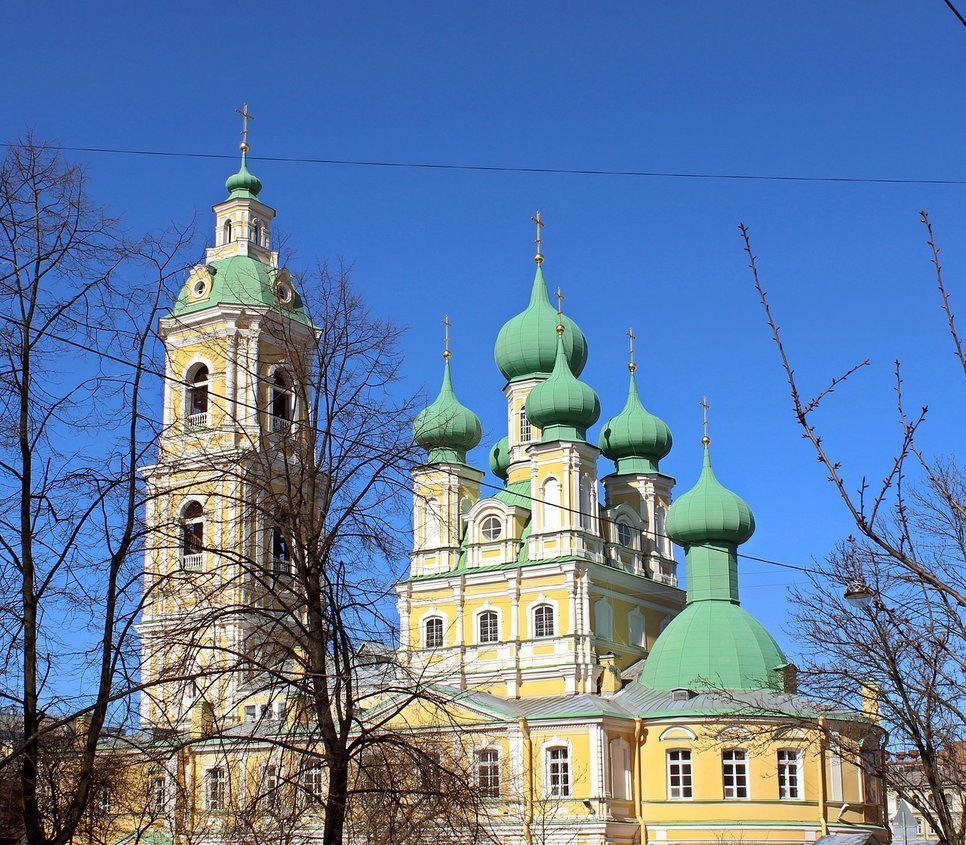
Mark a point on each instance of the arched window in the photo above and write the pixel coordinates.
(198, 397)
(524, 428)
(281, 555)
(192, 536)
(491, 528)
(254, 231)
(433, 632)
(585, 503)
(489, 627)
(558, 771)
(624, 536)
(551, 504)
(660, 541)
(635, 626)
(226, 232)
(543, 622)
(434, 523)
(603, 619)
(488, 772)
(282, 403)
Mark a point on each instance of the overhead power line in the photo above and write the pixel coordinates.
(556, 171)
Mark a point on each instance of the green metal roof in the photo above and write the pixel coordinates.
(562, 406)
(500, 457)
(447, 429)
(635, 439)
(714, 644)
(527, 344)
(243, 184)
(240, 280)
(516, 495)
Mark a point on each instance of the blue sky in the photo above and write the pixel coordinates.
(856, 89)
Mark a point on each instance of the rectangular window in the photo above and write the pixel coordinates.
(269, 779)
(251, 713)
(313, 782)
(558, 771)
(216, 788)
(789, 774)
(488, 772)
(679, 781)
(526, 430)
(159, 793)
(734, 773)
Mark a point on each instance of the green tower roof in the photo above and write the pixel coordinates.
(713, 642)
(635, 439)
(240, 280)
(709, 512)
(447, 429)
(500, 457)
(562, 406)
(527, 346)
(243, 183)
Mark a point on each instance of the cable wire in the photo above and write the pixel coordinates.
(557, 171)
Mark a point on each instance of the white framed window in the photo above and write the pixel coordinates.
(491, 528)
(680, 783)
(254, 231)
(488, 627)
(635, 628)
(660, 541)
(603, 619)
(734, 773)
(313, 782)
(543, 621)
(269, 783)
(192, 535)
(226, 232)
(282, 406)
(197, 396)
(551, 504)
(585, 504)
(620, 769)
(159, 793)
(558, 771)
(524, 428)
(488, 772)
(433, 632)
(789, 774)
(216, 788)
(433, 527)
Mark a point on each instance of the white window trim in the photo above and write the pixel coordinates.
(603, 608)
(545, 746)
(637, 614)
(499, 768)
(744, 762)
(667, 773)
(205, 784)
(799, 774)
(487, 608)
(432, 613)
(531, 619)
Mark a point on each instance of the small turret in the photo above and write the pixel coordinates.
(635, 439)
(447, 429)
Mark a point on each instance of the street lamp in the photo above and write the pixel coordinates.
(858, 594)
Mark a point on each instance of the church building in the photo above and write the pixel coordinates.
(599, 698)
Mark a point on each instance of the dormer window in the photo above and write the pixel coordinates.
(192, 536)
(198, 397)
(282, 403)
(226, 232)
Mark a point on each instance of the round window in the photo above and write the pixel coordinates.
(492, 528)
(200, 288)
(284, 292)
(623, 534)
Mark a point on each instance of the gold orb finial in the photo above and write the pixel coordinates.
(246, 116)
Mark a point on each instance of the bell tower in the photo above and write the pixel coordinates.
(237, 358)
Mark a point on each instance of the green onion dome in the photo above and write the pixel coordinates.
(635, 439)
(526, 345)
(447, 429)
(500, 458)
(562, 406)
(709, 513)
(243, 183)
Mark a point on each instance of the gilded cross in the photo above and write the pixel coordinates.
(246, 116)
(539, 239)
(704, 405)
(631, 366)
(560, 299)
(447, 324)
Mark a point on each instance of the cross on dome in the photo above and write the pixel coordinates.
(246, 116)
(538, 258)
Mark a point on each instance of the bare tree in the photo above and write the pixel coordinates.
(882, 619)
(75, 355)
